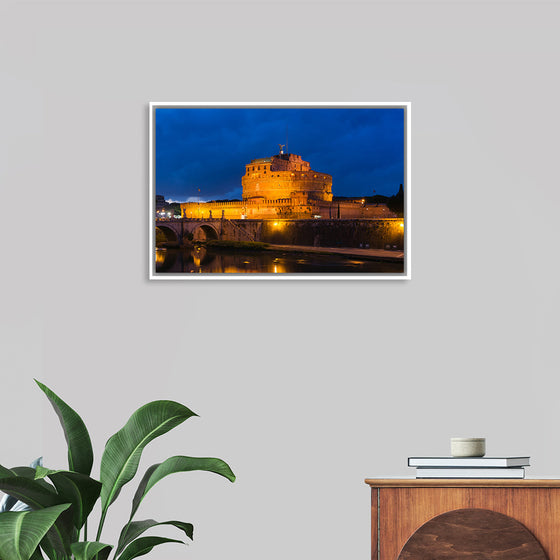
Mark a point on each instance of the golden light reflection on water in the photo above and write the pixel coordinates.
(160, 256)
(200, 260)
(201, 256)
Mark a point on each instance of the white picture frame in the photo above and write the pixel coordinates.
(363, 218)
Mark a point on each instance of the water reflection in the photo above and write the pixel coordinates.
(201, 256)
(202, 260)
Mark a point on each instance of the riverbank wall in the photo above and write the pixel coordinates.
(374, 234)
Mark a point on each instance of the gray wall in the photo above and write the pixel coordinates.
(305, 388)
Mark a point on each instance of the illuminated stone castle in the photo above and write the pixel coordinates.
(285, 176)
(285, 186)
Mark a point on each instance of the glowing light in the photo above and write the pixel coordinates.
(160, 256)
(275, 224)
(401, 224)
(278, 268)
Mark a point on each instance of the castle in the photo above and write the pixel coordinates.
(284, 186)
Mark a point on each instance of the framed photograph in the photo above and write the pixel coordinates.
(291, 191)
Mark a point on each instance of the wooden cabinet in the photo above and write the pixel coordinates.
(401, 507)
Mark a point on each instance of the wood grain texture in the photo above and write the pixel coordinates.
(462, 483)
(403, 510)
(374, 521)
(472, 534)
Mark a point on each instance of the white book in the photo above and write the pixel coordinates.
(468, 461)
(478, 472)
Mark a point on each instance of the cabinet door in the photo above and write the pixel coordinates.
(402, 511)
(472, 534)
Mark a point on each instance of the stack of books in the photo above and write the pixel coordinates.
(469, 467)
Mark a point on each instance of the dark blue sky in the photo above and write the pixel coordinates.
(207, 148)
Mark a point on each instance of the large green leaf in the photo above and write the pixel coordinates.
(78, 489)
(38, 495)
(31, 474)
(8, 502)
(60, 536)
(5, 473)
(80, 452)
(37, 555)
(48, 548)
(27, 472)
(124, 449)
(21, 532)
(142, 546)
(30, 492)
(87, 550)
(177, 464)
(136, 528)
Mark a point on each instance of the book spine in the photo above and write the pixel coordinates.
(442, 472)
(470, 462)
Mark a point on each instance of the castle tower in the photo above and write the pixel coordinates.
(284, 176)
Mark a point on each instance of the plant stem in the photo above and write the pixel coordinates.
(101, 523)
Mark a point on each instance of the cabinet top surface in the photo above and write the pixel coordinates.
(463, 482)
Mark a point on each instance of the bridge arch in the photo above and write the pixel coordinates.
(165, 234)
(205, 232)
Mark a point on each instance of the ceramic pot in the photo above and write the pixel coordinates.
(468, 447)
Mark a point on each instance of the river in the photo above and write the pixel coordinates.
(201, 259)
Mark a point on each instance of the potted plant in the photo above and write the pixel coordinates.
(61, 501)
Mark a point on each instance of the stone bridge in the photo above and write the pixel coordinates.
(366, 233)
(183, 230)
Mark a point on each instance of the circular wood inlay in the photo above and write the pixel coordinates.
(473, 534)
